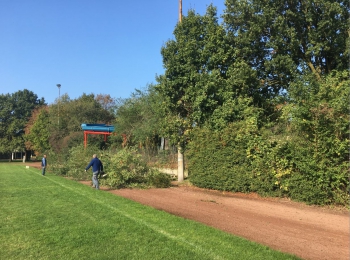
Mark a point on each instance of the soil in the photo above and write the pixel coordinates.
(309, 232)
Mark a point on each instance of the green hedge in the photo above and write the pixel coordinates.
(242, 159)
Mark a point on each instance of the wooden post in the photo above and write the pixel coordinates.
(180, 11)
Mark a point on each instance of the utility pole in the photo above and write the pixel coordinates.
(180, 155)
(180, 11)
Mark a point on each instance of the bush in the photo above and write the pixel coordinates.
(55, 163)
(158, 179)
(218, 160)
(126, 168)
(307, 190)
(77, 160)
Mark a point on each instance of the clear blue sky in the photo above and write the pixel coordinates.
(88, 46)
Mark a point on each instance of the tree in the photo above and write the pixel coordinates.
(37, 130)
(107, 102)
(73, 113)
(281, 39)
(16, 108)
(191, 87)
(5, 119)
(137, 118)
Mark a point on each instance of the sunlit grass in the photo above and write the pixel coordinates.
(50, 217)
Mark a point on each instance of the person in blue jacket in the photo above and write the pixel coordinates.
(43, 164)
(97, 167)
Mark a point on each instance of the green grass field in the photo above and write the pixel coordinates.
(50, 217)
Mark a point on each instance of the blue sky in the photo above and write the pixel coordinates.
(88, 46)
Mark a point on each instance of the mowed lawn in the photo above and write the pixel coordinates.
(50, 217)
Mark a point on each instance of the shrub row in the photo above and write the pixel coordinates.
(242, 159)
(124, 168)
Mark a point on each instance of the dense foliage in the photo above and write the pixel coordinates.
(272, 162)
(66, 130)
(137, 119)
(15, 111)
(124, 168)
(37, 130)
(262, 99)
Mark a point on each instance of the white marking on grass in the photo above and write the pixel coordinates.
(149, 225)
(163, 232)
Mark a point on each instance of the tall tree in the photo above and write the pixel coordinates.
(283, 38)
(15, 110)
(5, 120)
(195, 67)
(37, 131)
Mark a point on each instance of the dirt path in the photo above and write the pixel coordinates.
(306, 231)
(309, 232)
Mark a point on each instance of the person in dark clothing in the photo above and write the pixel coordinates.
(97, 167)
(43, 164)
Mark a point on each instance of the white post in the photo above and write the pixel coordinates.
(180, 164)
